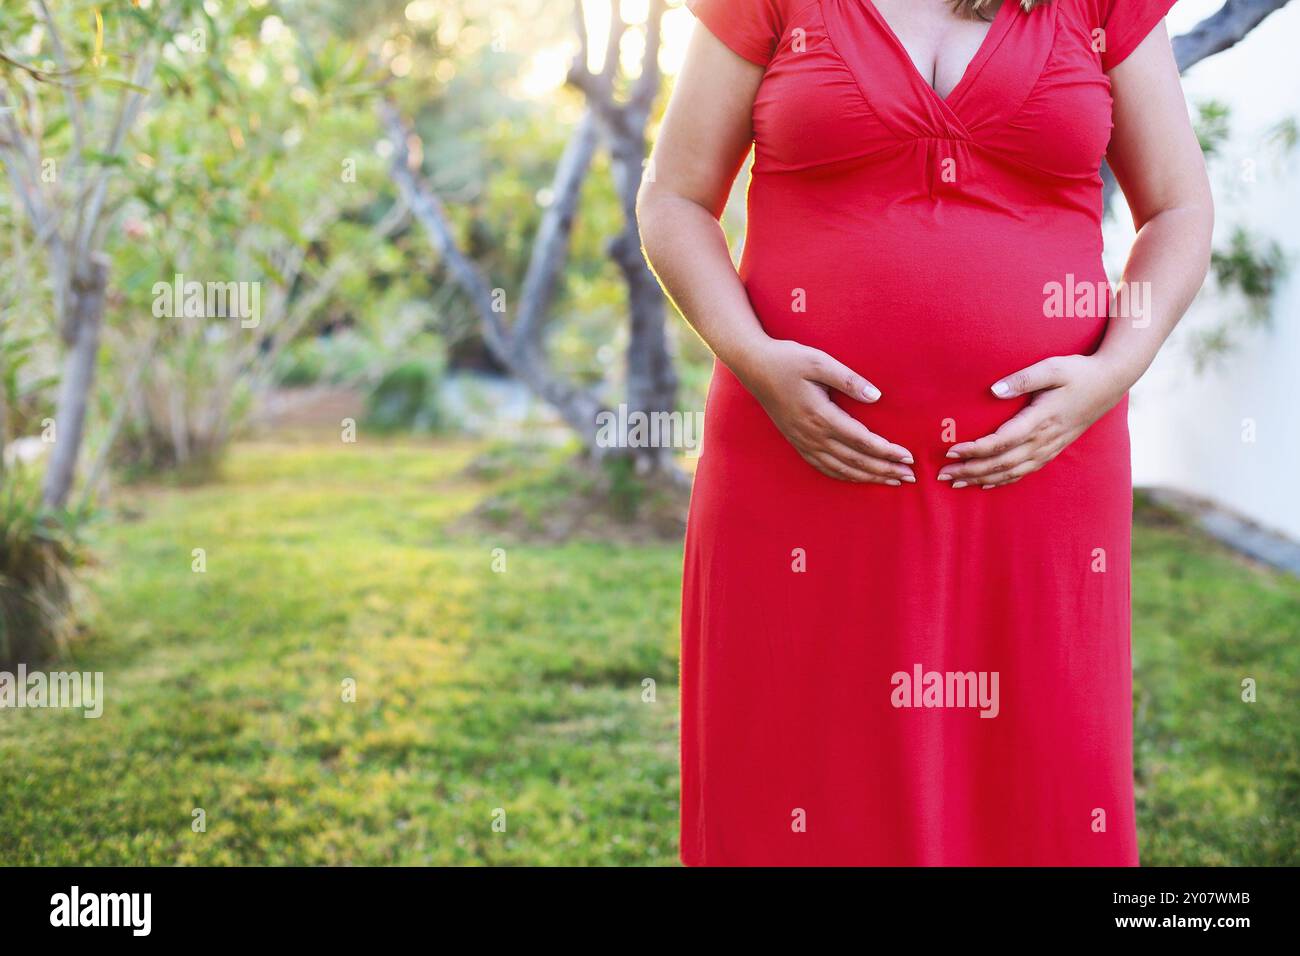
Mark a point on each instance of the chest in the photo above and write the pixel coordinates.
(1025, 90)
(940, 45)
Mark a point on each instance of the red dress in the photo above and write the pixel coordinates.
(841, 642)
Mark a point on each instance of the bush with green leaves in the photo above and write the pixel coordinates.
(342, 358)
(39, 551)
(407, 397)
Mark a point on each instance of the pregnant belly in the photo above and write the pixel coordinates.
(932, 316)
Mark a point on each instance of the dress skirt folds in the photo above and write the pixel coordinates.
(922, 675)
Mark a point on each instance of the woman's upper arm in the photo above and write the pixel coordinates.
(1154, 151)
(706, 131)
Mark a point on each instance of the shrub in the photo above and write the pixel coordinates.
(168, 431)
(345, 357)
(39, 551)
(406, 398)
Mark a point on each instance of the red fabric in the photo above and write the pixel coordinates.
(1128, 23)
(749, 29)
(919, 233)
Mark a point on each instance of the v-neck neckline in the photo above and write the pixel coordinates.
(992, 36)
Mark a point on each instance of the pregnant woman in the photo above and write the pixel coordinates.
(905, 624)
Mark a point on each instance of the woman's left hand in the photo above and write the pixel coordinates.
(1070, 392)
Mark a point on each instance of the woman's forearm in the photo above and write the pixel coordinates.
(685, 246)
(1165, 269)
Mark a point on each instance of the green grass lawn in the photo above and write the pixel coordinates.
(480, 692)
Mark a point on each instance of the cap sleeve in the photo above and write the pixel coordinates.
(1126, 24)
(750, 28)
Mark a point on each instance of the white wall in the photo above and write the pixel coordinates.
(1189, 429)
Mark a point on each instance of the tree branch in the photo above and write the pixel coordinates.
(551, 245)
(1222, 29)
(646, 87)
(429, 212)
(76, 111)
(132, 103)
(523, 357)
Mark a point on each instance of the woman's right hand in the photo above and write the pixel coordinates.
(793, 383)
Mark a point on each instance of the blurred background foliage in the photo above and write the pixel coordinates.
(257, 153)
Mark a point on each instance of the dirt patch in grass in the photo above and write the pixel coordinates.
(313, 406)
(545, 496)
(1150, 513)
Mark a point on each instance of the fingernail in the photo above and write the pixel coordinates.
(907, 460)
(896, 484)
(952, 454)
(959, 484)
(911, 479)
(1001, 389)
(989, 487)
(870, 393)
(945, 477)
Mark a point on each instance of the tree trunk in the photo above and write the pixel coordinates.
(4, 409)
(86, 315)
(651, 376)
(99, 464)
